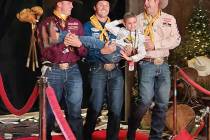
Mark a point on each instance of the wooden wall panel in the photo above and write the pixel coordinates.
(181, 9)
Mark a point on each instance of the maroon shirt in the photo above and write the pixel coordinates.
(58, 52)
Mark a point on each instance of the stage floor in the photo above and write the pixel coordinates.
(25, 127)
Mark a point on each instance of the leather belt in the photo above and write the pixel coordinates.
(156, 61)
(107, 67)
(62, 66)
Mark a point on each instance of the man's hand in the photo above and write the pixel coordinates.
(128, 50)
(149, 44)
(108, 48)
(125, 56)
(72, 40)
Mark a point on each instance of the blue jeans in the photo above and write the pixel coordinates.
(94, 46)
(67, 83)
(107, 84)
(154, 85)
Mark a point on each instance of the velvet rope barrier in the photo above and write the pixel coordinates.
(10, 107)
(59, 116)
(195, 85)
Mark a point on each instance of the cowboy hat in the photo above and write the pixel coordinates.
(96, 1)
(78, 1)
(163, 3)
(201, 64)
(56, 1)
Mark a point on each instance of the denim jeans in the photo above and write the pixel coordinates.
(94, 46)
(107, 84)
(154, 85)
(67, 83)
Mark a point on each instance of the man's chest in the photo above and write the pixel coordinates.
(162, 27)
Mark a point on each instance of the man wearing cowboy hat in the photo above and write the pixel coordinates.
(106, 80)
(61, 58)
(161, 35)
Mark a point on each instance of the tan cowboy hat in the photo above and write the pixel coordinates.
(201, 64)
(96, 1)
(77, 1)
(56, 1)
(163, 3)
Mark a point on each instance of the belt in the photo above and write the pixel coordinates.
(62, 66)
(156, 61)
(110, 66)
(107, 67)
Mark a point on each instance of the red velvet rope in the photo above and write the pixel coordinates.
(183, 135)
(67, 132)
(195, 85)
(10, 107)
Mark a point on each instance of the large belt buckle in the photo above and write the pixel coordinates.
(158, 61)
(109, 67)
(64, 66)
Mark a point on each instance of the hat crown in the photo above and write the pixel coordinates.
(56, 1)
(163, 4)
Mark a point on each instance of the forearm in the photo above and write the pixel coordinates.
(140, 55)
(113, 26)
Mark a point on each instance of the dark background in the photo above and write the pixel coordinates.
(15, 40)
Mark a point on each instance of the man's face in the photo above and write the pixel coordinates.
(151, 6)
(102, 9)
(66, 7)
(130, 23)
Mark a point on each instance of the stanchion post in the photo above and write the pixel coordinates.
(42, 108)
(174, 100)
(208, 127)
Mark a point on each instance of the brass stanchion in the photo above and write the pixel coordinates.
(42, 108)
(174, 101)
(208, 127)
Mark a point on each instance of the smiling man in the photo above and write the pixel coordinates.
(60, 64)
(161, 35)
(105, 78)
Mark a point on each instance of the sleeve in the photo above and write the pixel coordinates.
(47, 49)
(141, 52)
(82, 51)
(171, 41)
(113, 27)
(87, 29)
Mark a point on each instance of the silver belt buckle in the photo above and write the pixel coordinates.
(64, 66)
(109, 67)
(158, 61)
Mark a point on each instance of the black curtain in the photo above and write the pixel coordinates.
(15, 40)
(14, 43)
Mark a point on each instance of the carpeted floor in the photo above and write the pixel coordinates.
(25, 127)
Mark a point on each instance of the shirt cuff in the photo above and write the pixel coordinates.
(130, 59)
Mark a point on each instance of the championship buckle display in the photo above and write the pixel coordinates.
(109, 67)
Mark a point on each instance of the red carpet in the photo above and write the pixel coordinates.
(98, 135)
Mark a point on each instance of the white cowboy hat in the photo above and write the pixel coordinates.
(201, 64)
(163, 3)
